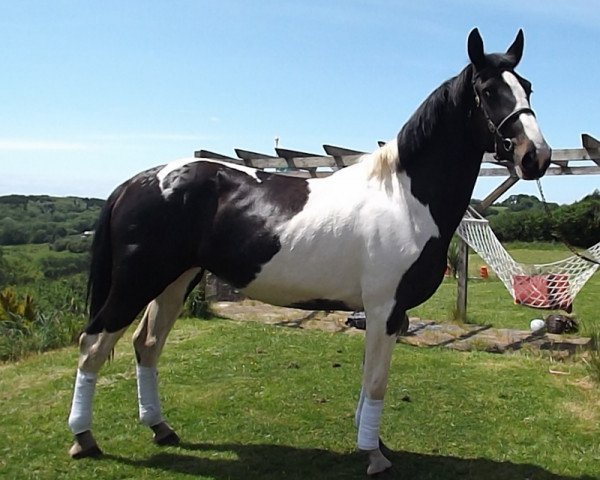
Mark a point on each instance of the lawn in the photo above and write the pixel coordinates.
(258, 401)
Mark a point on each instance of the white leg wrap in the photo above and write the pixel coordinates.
(368, 430)
(149, 403)
(80, 418)
(359, 407)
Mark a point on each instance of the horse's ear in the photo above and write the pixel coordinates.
(475, 49)
(515, 51)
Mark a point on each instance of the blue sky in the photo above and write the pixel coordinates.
(93, 92)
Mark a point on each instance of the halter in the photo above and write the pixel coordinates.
(503, 146)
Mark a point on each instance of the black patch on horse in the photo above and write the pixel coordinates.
(243, 234)
(322, 304)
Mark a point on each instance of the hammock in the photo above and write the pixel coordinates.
(547, 286)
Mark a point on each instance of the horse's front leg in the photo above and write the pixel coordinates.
(148, 341)
(378, 354)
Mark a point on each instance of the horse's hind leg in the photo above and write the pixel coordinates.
(148, 341)
(94, 349)
(96, 344)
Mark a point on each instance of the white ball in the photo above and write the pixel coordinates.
(537, 324)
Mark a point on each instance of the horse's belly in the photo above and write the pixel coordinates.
(315, 277)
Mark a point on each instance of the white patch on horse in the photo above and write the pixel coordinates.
(179, 164)
(530, 125)
(355, 234)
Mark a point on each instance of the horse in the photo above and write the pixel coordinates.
(371, 236)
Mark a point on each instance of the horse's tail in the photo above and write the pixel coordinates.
(99, 279)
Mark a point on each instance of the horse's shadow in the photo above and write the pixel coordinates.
(243, 462)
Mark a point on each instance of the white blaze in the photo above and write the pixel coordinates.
(530, 125)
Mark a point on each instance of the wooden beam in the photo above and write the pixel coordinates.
(589, 142)
(498, 192)
(248, 155)
(342, 155)
(340, 151)
(462, 272)
(260, 160)
(216, 156)
(552, 171)
(297, 159)
(592, 147)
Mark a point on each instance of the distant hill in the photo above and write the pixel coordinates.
(45, 219)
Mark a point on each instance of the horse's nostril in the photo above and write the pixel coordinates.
(529, 160)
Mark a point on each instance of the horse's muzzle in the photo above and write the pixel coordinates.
(534, 161)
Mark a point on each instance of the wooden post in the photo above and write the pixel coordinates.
(462, 279)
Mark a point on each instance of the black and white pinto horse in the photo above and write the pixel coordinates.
(372, 236)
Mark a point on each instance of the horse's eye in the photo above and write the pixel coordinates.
(487, 93)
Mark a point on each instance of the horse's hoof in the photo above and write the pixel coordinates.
(377, 462)
(164, 435)
(85, 446)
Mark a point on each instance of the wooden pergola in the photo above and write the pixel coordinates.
(571, 161)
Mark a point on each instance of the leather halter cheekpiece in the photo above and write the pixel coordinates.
(503, 146)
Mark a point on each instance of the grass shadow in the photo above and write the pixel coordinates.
(242, 462)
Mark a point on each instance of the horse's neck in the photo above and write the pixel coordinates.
(437, 150)
(443, 177)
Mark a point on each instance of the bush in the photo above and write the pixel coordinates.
(53, 330)
(578, 223)
(12, 232)
(24, 329)
(55, 267)
(196, 305)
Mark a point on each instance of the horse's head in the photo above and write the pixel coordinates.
(506, 119)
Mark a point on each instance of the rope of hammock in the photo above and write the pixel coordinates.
(548, 286)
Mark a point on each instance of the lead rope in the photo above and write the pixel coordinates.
(556, 234)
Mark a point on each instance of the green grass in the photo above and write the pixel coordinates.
(257, 401)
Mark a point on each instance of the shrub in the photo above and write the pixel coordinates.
(55, 267)
(24, 329)
(196, 305)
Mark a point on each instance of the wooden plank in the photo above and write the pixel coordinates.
(338, 154)
(498, 192)
(216, 156)
(248, 155)
(298, 159)
(462, 280)
(592, 147)
(570, 154)
(260, 160)
(274, 162)
(590, 142)
(295, 158)
(340, 151)
(552, 171)
(314, 162)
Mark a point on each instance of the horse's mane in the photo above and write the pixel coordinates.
(384, 161)
(422, 125)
